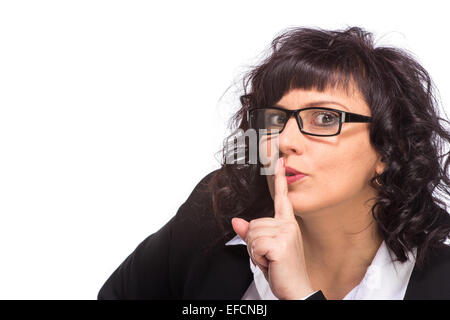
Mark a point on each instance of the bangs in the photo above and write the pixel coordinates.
(318, 74)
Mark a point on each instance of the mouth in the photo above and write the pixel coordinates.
(292, 179)
(293, 175)
(292, 172)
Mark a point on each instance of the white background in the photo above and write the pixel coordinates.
(112, 111)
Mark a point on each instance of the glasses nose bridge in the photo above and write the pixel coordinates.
(296, 115)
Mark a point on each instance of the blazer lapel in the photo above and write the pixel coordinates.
(433, 280)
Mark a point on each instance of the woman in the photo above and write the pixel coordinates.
(352, 210)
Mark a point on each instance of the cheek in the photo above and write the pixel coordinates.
(345, 164)
(322, 187)
(334, 178)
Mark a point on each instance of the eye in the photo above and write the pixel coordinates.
(276, 119)
(326, 118)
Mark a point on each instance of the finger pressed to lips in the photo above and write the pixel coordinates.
(282, 205)
(280, 179)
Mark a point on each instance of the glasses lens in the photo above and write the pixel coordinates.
(315, 121)
(269, 119)
(320, 121)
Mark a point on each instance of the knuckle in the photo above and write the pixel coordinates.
(254, 244)
(251, 236)
(254, 223)
(257, 246)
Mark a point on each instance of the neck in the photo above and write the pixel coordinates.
(339, 242)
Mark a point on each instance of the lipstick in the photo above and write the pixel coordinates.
(293, 175)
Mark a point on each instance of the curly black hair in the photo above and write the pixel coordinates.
(406, 130)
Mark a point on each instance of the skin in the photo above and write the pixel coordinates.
(323, 235)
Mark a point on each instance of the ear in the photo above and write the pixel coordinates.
(380, 165)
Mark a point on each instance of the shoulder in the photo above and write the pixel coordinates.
(432, 280)
(199, 202)
(195, 219)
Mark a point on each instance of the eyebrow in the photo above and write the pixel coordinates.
(319, 104)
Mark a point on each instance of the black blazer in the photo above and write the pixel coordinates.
(171, 263)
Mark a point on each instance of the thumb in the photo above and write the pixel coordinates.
(240, 226)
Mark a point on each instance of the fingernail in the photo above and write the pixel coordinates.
(282, 161)
(278, 165)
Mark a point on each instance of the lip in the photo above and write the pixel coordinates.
(289, 170)
(297, 175)
(292, 179)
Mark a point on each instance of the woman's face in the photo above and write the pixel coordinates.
(339, 167)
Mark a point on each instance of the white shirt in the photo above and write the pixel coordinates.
(383, 280)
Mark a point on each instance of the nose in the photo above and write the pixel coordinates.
(291, 139)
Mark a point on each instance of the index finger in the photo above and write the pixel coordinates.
(282, 204)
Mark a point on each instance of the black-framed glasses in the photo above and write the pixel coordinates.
(314, 121)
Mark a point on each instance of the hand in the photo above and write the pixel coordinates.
(275, 244)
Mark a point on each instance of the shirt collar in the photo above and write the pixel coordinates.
(261, 284)
(384, 278)
(236, 240)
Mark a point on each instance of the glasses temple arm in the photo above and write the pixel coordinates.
(353, 117)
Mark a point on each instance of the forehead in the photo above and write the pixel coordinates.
(350, 100)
